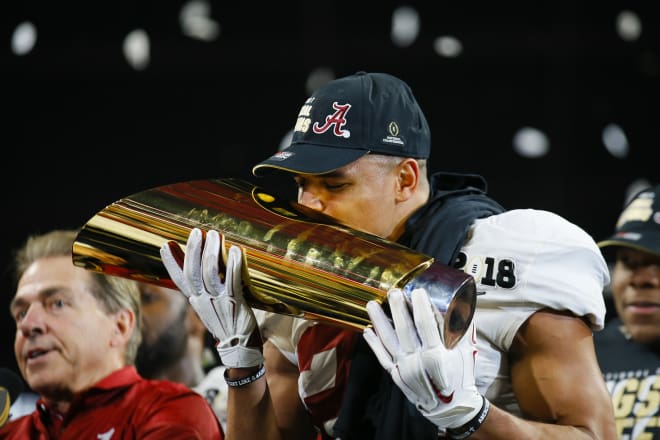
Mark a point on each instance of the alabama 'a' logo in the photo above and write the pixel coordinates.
(337, 120)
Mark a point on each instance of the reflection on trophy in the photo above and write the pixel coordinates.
(296, 261)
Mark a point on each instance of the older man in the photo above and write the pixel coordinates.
(77, 333)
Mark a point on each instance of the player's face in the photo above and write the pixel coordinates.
(360, 195)
(636, 291)
(65, 341)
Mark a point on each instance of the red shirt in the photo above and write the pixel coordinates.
(123, 406)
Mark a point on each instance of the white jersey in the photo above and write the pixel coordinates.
(522, 261)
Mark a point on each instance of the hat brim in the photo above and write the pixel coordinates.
(650, 243)
(308, 159)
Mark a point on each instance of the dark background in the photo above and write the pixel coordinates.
(81, 128)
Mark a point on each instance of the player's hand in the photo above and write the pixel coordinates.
(220, 306)
(438, 381)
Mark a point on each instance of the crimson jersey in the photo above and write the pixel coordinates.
(123, 406)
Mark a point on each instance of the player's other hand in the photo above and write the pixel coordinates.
(410, 347)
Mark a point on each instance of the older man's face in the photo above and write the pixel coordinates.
(64, 341)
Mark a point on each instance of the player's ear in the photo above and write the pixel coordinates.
(408, 174)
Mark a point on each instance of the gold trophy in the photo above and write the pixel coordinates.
(297, 261)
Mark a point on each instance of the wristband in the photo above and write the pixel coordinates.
(245, 380)
(470, 427)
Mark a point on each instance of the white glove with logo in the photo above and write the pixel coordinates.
(440, 382)
(220, 306)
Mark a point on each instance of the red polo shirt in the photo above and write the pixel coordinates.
(123, 406)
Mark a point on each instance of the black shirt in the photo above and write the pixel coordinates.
(632, 373)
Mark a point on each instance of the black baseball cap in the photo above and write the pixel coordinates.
(638, 226)
(350, 117)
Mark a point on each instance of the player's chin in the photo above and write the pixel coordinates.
(647, 333)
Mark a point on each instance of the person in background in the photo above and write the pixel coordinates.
(628, 349)
(77, 333)
(174, 346)
(359, 154)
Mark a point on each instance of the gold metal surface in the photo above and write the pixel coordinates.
(298, 261)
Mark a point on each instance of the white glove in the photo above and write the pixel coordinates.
(438, 381)
(220, 306)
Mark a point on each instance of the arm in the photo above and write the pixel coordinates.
(292, 417)
(557, 382)
(250, 412)
(270, 407)
(276, 399)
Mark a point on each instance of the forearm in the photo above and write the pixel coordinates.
(500, 424)
(250, 412)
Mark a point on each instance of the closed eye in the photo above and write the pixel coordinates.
(335, 186)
